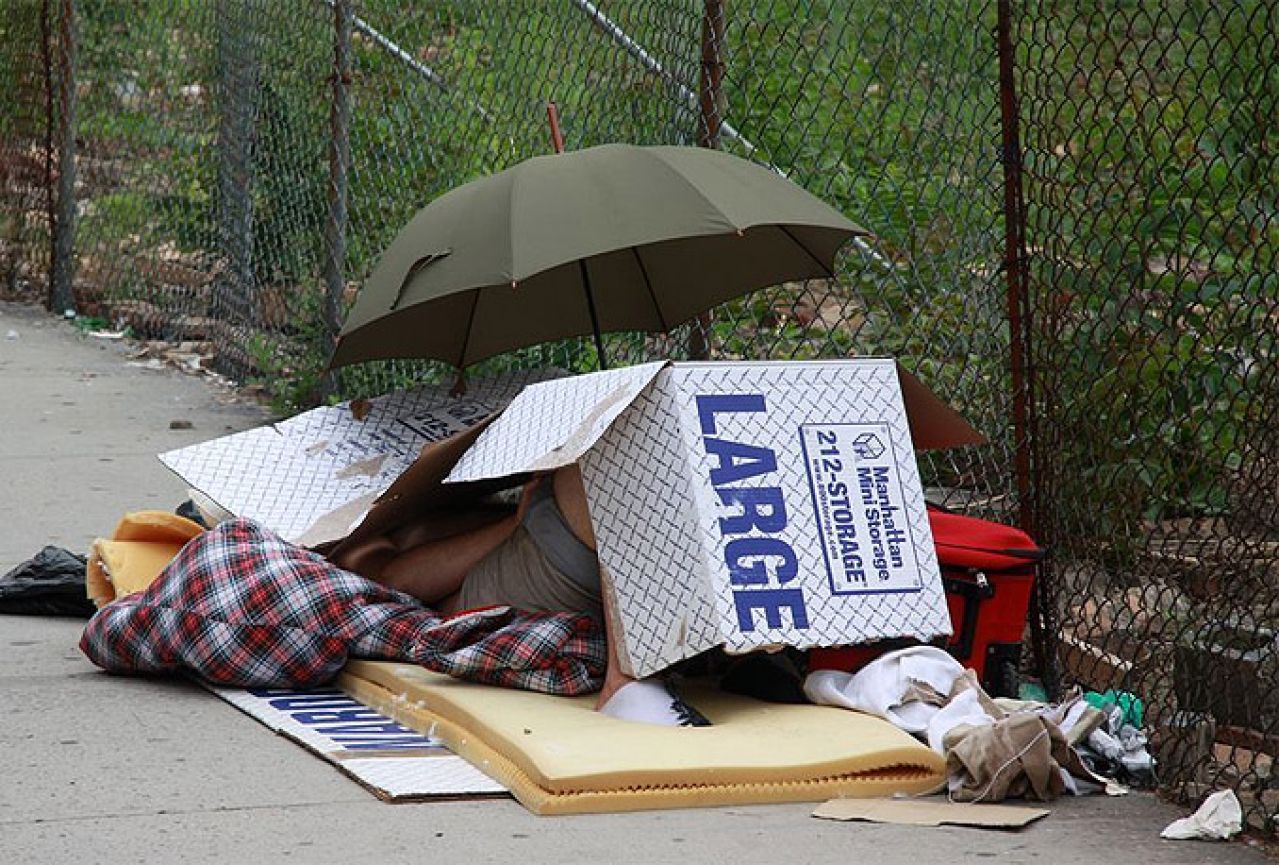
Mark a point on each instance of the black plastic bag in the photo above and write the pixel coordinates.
(51, 584)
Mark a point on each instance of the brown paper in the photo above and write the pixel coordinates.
(929, 812)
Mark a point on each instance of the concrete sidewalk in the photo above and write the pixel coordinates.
(101, 769)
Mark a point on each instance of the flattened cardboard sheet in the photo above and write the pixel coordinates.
(393, 761)
(311, 478)
(929, 812)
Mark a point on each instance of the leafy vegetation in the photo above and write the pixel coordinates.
(1150, 184)
(1153, 205)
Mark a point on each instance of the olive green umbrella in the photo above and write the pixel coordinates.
(611, 238)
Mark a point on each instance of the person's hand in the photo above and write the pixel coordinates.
(526, 497)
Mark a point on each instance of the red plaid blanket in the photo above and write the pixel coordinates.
(240, 606)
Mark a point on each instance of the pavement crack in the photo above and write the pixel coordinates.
(173, 812)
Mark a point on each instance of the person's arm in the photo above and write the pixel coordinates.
(432, 571)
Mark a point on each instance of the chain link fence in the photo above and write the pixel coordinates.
(1151, 165)
(30, 75)
(1098, 297)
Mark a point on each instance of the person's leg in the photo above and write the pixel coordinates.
(570, 498)
(649, 701)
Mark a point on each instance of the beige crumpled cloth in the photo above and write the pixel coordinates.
(1021, 755)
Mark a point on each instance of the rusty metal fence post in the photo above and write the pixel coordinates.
(238, 84)
(334, 274)
(710, 102)
(1020, 332)
(61, 39)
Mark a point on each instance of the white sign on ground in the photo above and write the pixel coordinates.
(393, 761)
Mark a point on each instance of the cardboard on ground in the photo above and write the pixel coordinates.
(312, 477)
(929, 812)
(394, 762)
(738, 504)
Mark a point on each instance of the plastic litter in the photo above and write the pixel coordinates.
(1032, 691)
(50, 584)
(1118, 747)
(1219, 818)
(1134, 710)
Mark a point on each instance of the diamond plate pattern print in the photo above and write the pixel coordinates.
(640, 498)
(289, 475)
(698, 561)
(822, 396)
(553, 423)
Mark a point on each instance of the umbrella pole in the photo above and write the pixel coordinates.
(595, 319)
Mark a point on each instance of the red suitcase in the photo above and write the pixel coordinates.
(988, 570)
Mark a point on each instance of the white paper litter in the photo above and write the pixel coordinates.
(1220, 817)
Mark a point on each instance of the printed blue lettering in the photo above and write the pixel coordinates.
(761, 549)
(753, 552)
(313, 718)
(362, 729)
(771, 602)
(738, 461)
(873, 482)
(709, 405)
(751, 517)
(404, 742)
(314, 701)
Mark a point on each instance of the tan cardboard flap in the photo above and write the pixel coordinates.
(933, 424)
(929, 812)
(421, 488)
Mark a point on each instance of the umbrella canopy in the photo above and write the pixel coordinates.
(616, 237)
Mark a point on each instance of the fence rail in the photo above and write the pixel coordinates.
(1074, 234)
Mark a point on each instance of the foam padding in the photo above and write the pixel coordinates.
(143, 544)
(558, 755)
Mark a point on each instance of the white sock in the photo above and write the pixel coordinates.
(650, 701)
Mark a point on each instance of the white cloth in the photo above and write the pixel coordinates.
(651, 701)
(889, 686)
(1218, 818)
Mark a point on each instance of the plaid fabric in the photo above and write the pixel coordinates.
(240, 606)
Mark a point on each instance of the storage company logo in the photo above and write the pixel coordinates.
(857, 496)
(868, 446)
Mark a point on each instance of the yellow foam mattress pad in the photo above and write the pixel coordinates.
(558, 755)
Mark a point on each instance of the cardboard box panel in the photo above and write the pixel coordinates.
(312, 477)
(850, 556)
(640, 496)
(553, 424)
(743, 504)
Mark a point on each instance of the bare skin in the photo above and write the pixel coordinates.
(431, 561)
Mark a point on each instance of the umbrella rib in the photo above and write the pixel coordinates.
(648, 283)
(688, 184)
(466, 337)
(830, 274)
